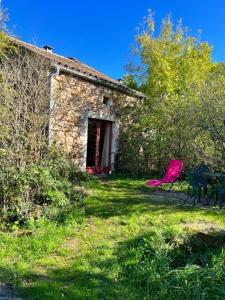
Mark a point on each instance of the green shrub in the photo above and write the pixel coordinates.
(60, 167)
(33, 191)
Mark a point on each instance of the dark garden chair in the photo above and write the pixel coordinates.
(219, 191)
(198, 183)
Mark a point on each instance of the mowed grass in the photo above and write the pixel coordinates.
(131, 244)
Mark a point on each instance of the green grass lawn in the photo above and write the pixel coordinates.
(131, 244)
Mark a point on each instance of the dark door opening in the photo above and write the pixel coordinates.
(99, 144)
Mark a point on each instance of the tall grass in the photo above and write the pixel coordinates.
(166, 264)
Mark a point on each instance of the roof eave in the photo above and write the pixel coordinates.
(119, 87)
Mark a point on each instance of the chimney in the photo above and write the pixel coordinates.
(48, 48)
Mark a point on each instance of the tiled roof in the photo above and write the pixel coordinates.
(76, 66)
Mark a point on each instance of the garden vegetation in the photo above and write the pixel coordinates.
(124, 242)
(35, 180)
(182, 116)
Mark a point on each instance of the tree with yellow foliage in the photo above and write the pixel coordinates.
(174, 66)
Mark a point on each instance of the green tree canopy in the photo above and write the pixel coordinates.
(175, 62)
(174, 68)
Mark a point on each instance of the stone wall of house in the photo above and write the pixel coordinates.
(74, 100)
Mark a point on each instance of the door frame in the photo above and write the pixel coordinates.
(99, 169)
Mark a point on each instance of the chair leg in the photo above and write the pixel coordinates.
(207, 199)
(169, 190)
(217, 197)
(213, 192)
(195, 194)
(188, 195)
(194, 200)
(221, 200)
(199, 195)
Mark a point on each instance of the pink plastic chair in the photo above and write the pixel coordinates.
(173, 172)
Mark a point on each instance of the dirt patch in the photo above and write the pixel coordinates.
(198, 247)
(202, 226)
(205, 234)
(164, 197)
(171, 194)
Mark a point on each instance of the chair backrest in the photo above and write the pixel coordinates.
(222, 187)
(173, 171)
(197, 175)
(201, 170)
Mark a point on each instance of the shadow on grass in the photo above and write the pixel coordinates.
(126, 198)
(144, 269)
(69, 283)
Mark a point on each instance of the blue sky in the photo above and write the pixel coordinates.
(100, 33)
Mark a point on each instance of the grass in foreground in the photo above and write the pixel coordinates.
(133, 244)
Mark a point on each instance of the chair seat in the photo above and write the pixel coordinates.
(173, 172)
(154, 182)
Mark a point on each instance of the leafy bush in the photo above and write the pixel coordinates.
(34, 180)
(46, 188)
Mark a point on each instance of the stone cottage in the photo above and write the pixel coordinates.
(84, 102)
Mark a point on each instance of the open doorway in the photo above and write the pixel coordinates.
(99, 145)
